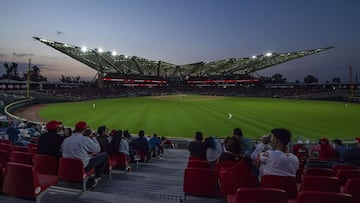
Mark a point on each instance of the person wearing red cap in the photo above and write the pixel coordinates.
(50, 142)
(82, 147)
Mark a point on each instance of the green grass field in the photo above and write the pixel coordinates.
(182, 116)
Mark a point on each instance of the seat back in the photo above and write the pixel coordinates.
(120, 159)
(45, 164)
(3, 141)
(141, 154)
(6, 147)
(20, 181)
(20, 149)
(352, 187)
(199, 181)
(198, 164)
(344, 174)
(286, 183)
(231, 180)
(71, 169)
(21, 157)
(258, 195)
(320, 183)
(339, 166)
(322, 197)
(4, 157)
(319, 172)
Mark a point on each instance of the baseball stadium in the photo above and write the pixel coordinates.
(175, 104)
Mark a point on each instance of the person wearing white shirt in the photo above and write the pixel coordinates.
(83, 147)
(278, 161)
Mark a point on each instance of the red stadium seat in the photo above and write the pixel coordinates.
(21, 157)
(4, 157)
(322, 197)
(20, 149)
(22, 181)
(319, 172)
(6, 147)
(338, 167)
(352, 187)
(344, 174)
(72, 170)
(200, 182)
(231, 180)
(320, 183)
(141, 154)
(258, 195)
(2, 141)
(286, 183)
(120, 159)
(198, 164)
(45, 164)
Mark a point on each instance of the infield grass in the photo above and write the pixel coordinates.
(182, 116)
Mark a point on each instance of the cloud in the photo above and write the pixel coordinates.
(22, 55)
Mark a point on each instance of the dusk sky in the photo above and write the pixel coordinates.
(184, 31)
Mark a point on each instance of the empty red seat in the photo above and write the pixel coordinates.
(286, 183)
(6, 147)
(199, 181)
(5, 141)
(320, 183)
(344, 174)
(20, 149)
(319, 172)
(141, 154)
(352, 187)
(231, 180)
(21, 157)
(322, 197)
(339, 166)
(258, 195)
(45, 164)
(72, 170)
(22, 181)
(4, 157)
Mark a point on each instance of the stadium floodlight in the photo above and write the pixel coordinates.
(113, 53)
(253, 57)
(100, 50)
(126, 56)
(83, 49)
(268, 54)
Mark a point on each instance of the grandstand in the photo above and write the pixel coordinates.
(138, 71)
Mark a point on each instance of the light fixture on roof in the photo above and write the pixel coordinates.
(100, 50)
(113, 53)
(268, 54)
(83, 49)
(253, 57)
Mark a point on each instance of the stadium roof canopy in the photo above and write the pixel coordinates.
(110, 62)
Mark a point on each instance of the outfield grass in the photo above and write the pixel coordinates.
(182, 116)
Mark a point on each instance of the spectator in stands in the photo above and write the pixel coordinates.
(13, 134)
(119, 144)
(83, 147)
(102, 138)
(248, 146)
(197, 146)
(154, 144)
(278, 161)
(263, 146)
(129, 139)
(327, 152)
(141, 144)
(50, 142)
(352, 156)
(213, 150)
(340, 148)
(67, 132)
(233, 150)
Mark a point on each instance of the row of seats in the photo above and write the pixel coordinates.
(199, 179)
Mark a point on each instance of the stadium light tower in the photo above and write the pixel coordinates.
(83, 49)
